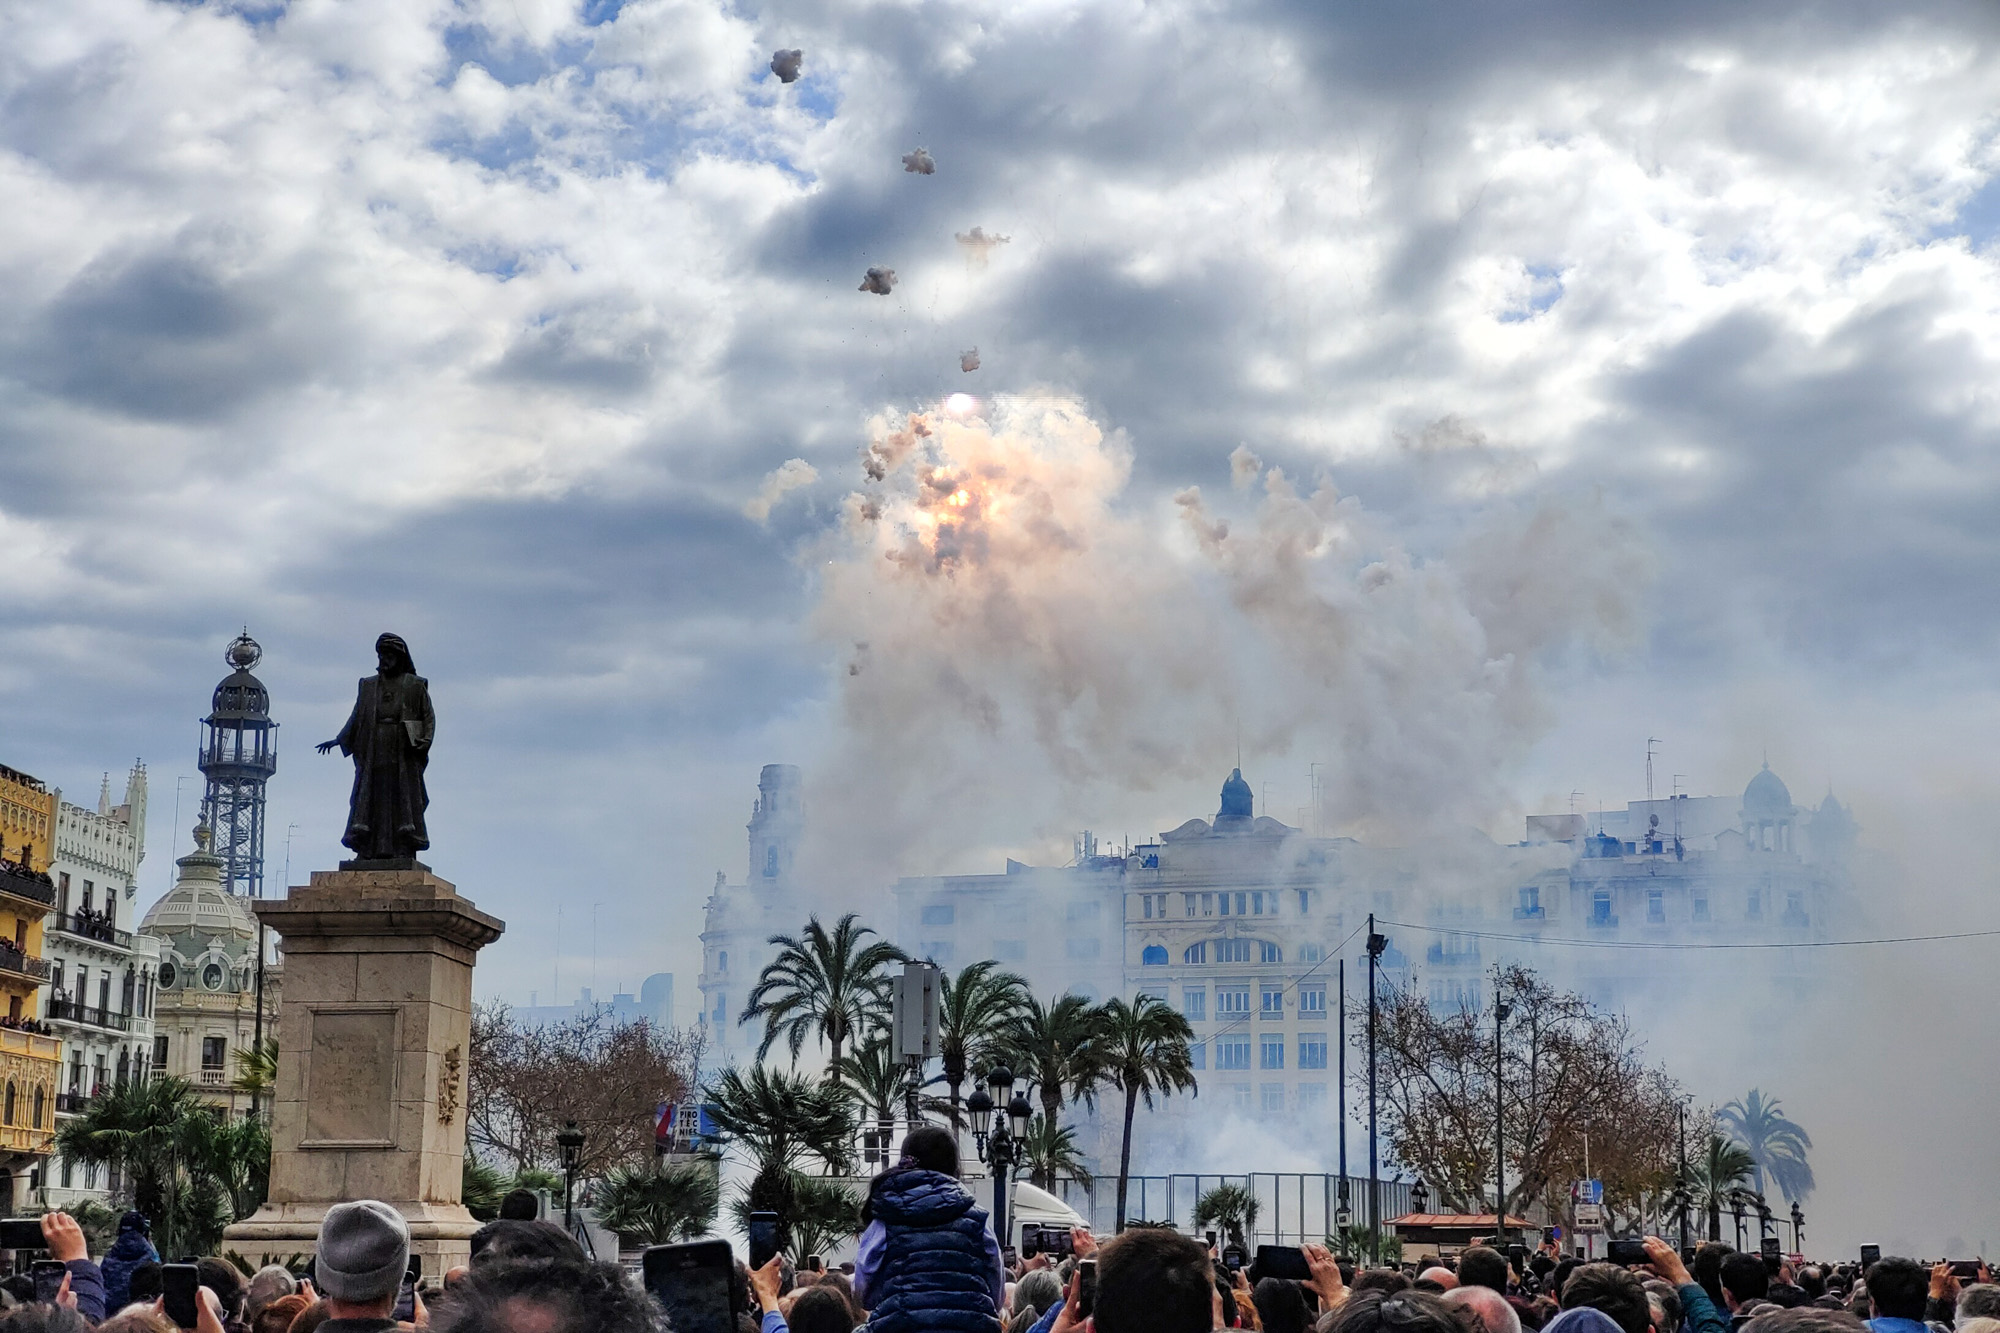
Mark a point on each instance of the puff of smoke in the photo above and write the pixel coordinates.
(787, 477)
(969, 361)
(878, 281)
(1035, 640)
(920, 162)
(785, 64)
(978, 246)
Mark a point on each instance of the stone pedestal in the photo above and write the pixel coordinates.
(373, 1040)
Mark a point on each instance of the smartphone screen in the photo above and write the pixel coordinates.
(691, 1283)
(22, 1233)
(1086, 1287)
(815, 1264)
(48, 1279)
(178, 1283)
(1284, 1261)
(1870, 1255)
(763, 1239)
(406, 1297)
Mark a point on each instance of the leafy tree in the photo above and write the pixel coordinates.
(975, 1010)
(481, 1186)
(183, 1160)
(1719, 1174)
(1057, 1049)
(1357, 1238)
(1775, 1144)
(1143, 1047)
(256, 1068)
(876, 1078)
(824, 1213)
(828, 987)
(658, 1205)
(1230, 1208)
(1050, 1151)
(781, 1118)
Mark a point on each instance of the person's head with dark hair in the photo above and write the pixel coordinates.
(1395, 1312)
(1483, 1266)
(148, 1283)
(1281, 1305)
(1388, 1281)
(19, 1287)
(520, 1206)
(32, 1318)
(1563, 1269)
(820, 1310)
(1153, 1280)
(1744, 1278)
(932, 1149)
(548, 1295)
(1811, 1281)
(509, 1240)
(1898, 1288)
(1666, 1303)
(1707, 1268)
(1786, 1295)
(228, 1284)
(835, 1280)
(1541, 1265)
(1615, 1291)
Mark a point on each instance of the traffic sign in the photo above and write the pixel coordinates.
(1587, 1191)
(1589, 1215)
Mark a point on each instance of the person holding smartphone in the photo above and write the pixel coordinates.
(64, 1239)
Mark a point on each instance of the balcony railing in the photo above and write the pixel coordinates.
(23, 884)
(91, 926)
(13, 960)
(69, 1103)
(69, 1011)
(212, 1077)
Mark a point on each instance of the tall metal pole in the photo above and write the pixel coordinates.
(1003, 1170)
(1375, 946)
(1342, 1077)
(1681, 1178)
(1499, 1112)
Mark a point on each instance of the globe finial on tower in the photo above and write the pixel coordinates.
(238, 756)
(243, 651)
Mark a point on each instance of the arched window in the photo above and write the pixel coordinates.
(1195, 953)
(771, 861)
(1153, 955)
(41, 1105)
(1270, 952)
(7, 1116)
(1232, 951)
(722, 961)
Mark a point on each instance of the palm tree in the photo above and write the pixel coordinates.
(1775, 1144)
(823, 986)
(658, 1205)
(481, 1186)
(1233, 1208)
(782, 1118)
(172, 1147)
(823, 1213)
(876, 1078)
(1049, 1150)
(1144, 1050)
(1718, 1179)
(256, 1068)
(975, 1010)
(1056, 1048)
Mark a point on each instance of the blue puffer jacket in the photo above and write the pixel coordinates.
(935, 1274)
(131, 1249)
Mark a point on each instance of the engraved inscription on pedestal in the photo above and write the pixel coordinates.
(351, 1100)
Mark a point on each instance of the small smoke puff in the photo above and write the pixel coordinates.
(785, 64)
(969, 361)
(978, 245)
(920, 162)
(1244, 466)
(789, 476)
(879, 281)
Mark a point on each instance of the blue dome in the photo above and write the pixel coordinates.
(1767, 795)
(1237, 801)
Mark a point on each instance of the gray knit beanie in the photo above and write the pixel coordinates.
(364, 1248)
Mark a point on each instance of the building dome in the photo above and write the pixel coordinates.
(1766, 797)
(200, 902)
(241, 694)
(1237, 801)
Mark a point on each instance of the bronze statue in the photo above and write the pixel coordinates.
(389, 735)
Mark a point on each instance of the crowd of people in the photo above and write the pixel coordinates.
(928, 1262)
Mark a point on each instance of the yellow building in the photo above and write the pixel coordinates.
(30, 1060)
(27, 819)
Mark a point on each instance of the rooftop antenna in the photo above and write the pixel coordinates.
(1651, 741)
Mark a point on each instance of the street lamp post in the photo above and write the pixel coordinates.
(1343, 1218)
(1681, 1178)
(1001, 1143)
(1501, 1009)
(570, 1143)
(1376, 945)
(1764, 1220)
(1736, 1211)
(1798, 1228)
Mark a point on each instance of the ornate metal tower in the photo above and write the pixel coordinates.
(238, 757)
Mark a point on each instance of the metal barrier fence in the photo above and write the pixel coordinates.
(1292, 1207)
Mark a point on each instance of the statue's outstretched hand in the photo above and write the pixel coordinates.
(324, 746)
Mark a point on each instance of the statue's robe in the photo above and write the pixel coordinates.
(389, 736)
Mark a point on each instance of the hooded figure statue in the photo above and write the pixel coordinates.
(389, 736)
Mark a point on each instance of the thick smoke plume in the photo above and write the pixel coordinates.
(1022, 640)
(791, 475)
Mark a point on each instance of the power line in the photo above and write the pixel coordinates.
(1664, 944)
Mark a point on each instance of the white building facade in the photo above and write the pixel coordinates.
(738, 920)
(98, 1001)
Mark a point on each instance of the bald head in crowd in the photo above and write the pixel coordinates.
(1488, 1306)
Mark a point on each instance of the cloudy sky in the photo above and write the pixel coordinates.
(1644, 356)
